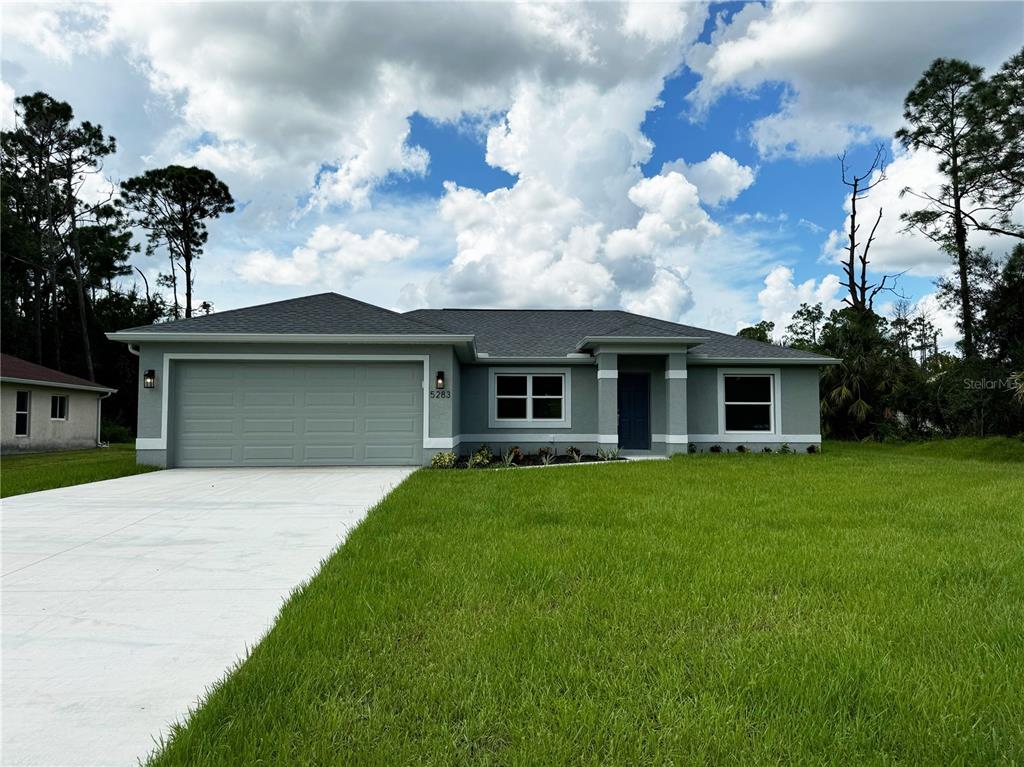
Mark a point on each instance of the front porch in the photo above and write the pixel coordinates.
(642, 402)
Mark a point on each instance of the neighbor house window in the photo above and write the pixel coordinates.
(749, 404)
(522, 398)
(22, 402)
(58, 407)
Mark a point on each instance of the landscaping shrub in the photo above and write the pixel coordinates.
(812, 449)
(481, 458)
(741, 449)
(443, 460)
(715, 449)
(575, 453)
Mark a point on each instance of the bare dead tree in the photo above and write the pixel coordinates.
(855, 264)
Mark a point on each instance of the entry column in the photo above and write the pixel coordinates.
(676, 438)
(608, 400)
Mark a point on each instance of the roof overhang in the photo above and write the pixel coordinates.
(590, 343)
(697, 359)
(145, 336)
(56, 384)
(464, 345)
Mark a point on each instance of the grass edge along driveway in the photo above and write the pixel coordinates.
(32, 472)
(863, 606)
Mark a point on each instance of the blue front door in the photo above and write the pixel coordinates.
(635, 411)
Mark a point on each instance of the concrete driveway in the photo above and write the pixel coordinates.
(124, 600)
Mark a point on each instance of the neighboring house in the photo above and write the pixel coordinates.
(327, 380)
(44, 409)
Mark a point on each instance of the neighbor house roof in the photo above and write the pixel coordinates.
(17, 370)
(493, 333)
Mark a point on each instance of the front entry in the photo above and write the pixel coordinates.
(635, 411)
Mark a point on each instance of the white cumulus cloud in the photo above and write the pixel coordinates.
(781, 296)
(846, 66)
(718, 179)
(331, 257)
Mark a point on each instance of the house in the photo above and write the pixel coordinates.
(328, 380)
(44, 409)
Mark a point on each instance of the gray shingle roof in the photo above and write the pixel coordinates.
(325, 313)
(557, 332)
(512, 333)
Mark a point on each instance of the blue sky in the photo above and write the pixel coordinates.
(674, 160)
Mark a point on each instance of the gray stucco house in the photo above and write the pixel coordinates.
(328, 380)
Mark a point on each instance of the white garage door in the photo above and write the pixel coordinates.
(296, 413)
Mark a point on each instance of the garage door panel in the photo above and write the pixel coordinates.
(210, 399)
(268, 453)
(330, 426)
(388, 452)
(296, 413)
(377, 426)
(391, 399)
(329, 453)
(257, 426)
(329, 399)
(208, 426)
(211, 455)
(268, 399)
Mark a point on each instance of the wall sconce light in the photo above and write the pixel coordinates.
(149, 379)
(439, 381)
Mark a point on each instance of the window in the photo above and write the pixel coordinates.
(526, 398)
(749, 404)
(58, 407)
(22, 401)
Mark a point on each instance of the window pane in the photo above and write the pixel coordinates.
(22, 401)
(550, 386)
(514, 385)
(21, 424)
(748, 418)
(547, 408)
(748, 389)
(512, 408)
(54, 407)
(62, 408)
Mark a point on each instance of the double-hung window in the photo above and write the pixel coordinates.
(749, 402)
(529, 398)
(58, 407)
(22, 406)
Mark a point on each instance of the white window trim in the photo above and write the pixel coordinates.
(493, 422)
(774, 410)
(27, 411)
(67, 407)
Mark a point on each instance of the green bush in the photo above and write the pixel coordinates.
(114, 433)
(443, 460)
(481, 458)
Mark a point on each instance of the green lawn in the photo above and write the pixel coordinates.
(43, 471)
(865, 606)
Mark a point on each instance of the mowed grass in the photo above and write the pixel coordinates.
(45, 471)
(864, 606)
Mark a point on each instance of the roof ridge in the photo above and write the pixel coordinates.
(403, 315)
(501, 309)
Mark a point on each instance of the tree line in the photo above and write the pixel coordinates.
(893, 381)
(66, 237)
